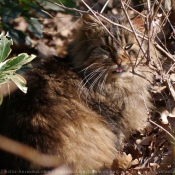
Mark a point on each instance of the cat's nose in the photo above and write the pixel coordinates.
(118, 61)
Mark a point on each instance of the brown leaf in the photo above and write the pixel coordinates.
(122, 161)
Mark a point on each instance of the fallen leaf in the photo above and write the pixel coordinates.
(122, 161)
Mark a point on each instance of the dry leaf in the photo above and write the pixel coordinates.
(122, 161)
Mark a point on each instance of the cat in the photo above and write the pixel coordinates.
(84, 107)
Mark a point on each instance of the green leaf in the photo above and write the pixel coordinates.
(9, 67)
(67, 3)
(17, 36)
(4, 47)
(28, 59)
(23, 1)
(20, 82)
(35, 27)
(37, 9)
(10, 11)
(52, 6)
(16, 63)
(12, 64)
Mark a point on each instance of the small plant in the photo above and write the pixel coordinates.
(8, 67)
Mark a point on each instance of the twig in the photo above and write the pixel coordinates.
(105, 6)
(132, 27)
(148, 5)
(166, 17)
(116, 24)
(170, 88)
(162, 129)
(97, 14)
(166, 53)
(170, 69)
(134, 32)
(149, 28)
(157, 8)
(134, 10)
(28, 153)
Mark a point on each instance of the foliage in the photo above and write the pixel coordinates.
(8, 67)
(32, 11)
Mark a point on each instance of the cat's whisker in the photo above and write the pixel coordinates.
(91, 66)
(87, 79)
(101, 87)
(104, 81)
(99, 97)
(94, 82)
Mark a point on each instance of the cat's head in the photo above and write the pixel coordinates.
(109, 52)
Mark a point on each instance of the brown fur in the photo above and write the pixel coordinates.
(83, 122)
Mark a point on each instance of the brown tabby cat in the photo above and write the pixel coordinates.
(83, 113)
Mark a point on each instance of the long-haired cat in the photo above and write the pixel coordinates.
(82, 110)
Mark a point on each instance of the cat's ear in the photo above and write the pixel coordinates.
(90, 24)
(89, 19)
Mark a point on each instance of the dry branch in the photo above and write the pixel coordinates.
(28, 153)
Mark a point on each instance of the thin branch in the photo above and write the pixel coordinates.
(114, 23)
(166, 53)
(107, 2)
(29, 153)
(148, 5)
(149, 27)
(135, 34)
(132, 27)
(157, 8)
(162, 129)
(134, 10)
(171, 88)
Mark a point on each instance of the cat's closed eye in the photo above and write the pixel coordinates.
(106, 48)
(128, 46)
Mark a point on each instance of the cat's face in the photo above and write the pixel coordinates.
(102, 57)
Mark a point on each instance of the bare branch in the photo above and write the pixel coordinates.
(28, 153)
(171, 88)
(133, 29)
(107, 2)
(165, 52)
(162, 129)
(128, 6)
